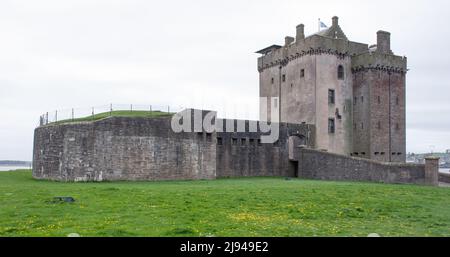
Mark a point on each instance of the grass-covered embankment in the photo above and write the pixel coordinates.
(224, 207)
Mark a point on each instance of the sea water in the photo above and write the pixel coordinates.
(8, 168)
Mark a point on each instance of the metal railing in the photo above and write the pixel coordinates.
(103, 111)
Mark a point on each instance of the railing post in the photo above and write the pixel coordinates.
(92, 113)
(73, 116)
(110, 110)
(56, 116)
(131, 107)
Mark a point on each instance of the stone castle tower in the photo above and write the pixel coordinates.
(353, 93)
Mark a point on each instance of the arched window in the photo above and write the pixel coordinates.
(340, 72)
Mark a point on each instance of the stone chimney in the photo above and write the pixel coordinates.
(384, 42)
(300, 32)
(288, 40)
(335, 21)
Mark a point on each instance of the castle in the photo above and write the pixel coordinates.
(338, 108)
(353, 93)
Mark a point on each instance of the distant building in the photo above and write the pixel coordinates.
(352, 93)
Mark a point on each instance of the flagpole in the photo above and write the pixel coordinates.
(318, 26)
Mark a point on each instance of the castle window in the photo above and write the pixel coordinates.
(302, 73)
(272, 80)
(340, 72)
(251, 141)
(243, 141)
(396, 100)
(259, 142)
(331, 96)
(208, 137)
(283, 78)
(234, 141)
(379, 99)
(219, 141)
(363, 153)
(382, 153)
(379, 124)
(377, 153)
(362, 125)
(331, 127)
(399, 153)
(362, 99)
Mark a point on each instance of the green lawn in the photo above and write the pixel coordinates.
(224, 207)
(148, 114)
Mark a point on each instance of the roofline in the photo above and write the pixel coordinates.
(268, 49)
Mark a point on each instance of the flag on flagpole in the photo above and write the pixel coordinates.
(322, 25)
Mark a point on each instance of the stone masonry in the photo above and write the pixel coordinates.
(353, 93)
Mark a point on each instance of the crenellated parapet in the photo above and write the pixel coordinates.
(331, 41)
(265, 64)
(374, 61)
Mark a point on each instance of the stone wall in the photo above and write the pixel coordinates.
(444, 178)
(119, 148)
(320, 165)
(242, 154)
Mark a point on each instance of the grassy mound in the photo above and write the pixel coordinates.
(224, 207)
(147, 114)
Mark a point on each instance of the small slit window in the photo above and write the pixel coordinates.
(331, 96)
(219, 141)
(283, 78)
(272, 81)
(340, 72)
(331, 126)
(302, 73)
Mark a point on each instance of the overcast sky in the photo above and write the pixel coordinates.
(59, 54)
